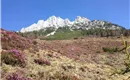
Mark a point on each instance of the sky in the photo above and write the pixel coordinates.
(17, 14)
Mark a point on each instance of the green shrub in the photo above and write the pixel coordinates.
(42, 61)
(35, 42)
(111, 49)
(98, 52)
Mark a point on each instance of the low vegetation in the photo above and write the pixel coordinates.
(75, 59)
(127, 60)
(14, 58)
(63, 33)
(11, 40)
(42, 61)
(111, 49)
(34, 42)
(15, 76)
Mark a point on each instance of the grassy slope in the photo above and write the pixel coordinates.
(64, 35)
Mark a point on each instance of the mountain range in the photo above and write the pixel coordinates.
(78, 23)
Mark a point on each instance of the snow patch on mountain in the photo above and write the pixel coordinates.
(52, 33)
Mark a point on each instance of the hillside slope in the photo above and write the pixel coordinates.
(12, 40)
(80, 59)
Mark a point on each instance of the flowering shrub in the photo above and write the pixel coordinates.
(42, 61)
(16, 76)
(19, 55)
(13, 57)
(11, 40)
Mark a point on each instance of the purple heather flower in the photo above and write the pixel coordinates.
(17, 54)
(16, 76)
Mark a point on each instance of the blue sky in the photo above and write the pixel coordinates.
(22, 13)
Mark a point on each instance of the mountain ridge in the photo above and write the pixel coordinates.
(79, 22)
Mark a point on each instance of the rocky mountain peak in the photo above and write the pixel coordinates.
(79, 22)
(81, 19)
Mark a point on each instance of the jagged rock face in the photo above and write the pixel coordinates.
(50, 22)
(78, 23)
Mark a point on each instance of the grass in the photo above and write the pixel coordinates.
(63, 35)
(60, 76)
